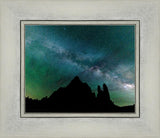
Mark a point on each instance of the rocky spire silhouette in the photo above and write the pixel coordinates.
(106, 92)
(76, 80)
(76, 97)
(103, 98)
(99, 95)
(99, 90)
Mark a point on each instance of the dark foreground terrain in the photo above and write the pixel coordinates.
(76, 97)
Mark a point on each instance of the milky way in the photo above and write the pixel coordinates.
(54, 55)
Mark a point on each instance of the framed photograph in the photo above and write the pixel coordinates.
(79, 69)
(65, 64)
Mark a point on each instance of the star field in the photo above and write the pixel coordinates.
(54, 55)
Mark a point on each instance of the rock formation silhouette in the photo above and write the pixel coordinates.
(76, 97)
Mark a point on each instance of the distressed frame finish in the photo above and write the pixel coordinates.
(135, 23)
(12, 12)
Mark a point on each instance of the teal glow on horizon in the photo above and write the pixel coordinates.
(54, 55)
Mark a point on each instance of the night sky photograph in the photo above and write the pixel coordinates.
(58, 57)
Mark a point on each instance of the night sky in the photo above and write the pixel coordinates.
(54, 55)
